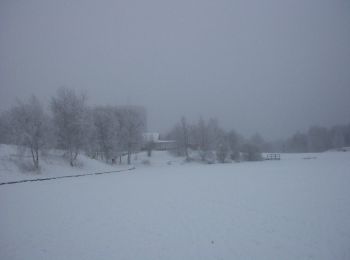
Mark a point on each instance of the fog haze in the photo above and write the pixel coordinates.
(272, 67)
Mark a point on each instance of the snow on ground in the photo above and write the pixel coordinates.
(295, 208)
(158, 159)
(12, 166)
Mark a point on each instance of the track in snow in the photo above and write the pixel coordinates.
(66, 176)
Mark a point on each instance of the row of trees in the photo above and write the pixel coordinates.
(212, 143)
(72, 126)
(318, 139)
(109, 132)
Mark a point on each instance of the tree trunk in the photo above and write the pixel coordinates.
(35, 157)
(186, 153)
(129, 157)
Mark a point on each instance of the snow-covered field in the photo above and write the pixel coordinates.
(294, 208)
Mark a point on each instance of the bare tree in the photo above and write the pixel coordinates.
(181, 134)
(234, 142)
(30, 127)
(222, 152)
(215, 133)
(105, 132)
(176, 134)
(131, 124)
(251, 152)
(202, 138)
(69, 118)
(258, 141)
(185, 132)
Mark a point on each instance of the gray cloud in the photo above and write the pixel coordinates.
(268, 66)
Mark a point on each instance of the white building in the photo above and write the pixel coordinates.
(159, 145)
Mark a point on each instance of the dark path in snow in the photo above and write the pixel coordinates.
(66, 176)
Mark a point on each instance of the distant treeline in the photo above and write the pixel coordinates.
(316, 139)
(208, 137)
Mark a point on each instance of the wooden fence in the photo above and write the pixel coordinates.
(272, 156)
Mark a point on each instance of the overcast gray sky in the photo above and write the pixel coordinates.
(270, 66)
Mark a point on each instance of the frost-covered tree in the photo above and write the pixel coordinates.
(30, 127)
(131, 125)
(222, 150)
(216, 134)
(105, 133)
(69, 119)
(251, 152)
(234, 141)
(176, 135)
(185, 131)
(181, 133)
(258, 141)
(202, 139)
